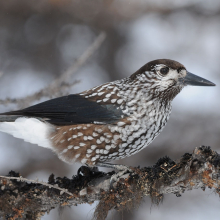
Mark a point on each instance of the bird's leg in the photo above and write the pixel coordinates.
(122, 170)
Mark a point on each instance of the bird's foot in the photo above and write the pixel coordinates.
(87, 171)
(121, 168)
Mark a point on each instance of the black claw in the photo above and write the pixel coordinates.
(87, 171)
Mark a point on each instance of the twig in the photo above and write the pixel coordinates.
(81, 61)
(21, 179)
(56, 87)
(46, 92)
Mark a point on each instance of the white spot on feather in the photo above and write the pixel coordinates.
(83, 160)
(120, 101)
(77, 155)
(64, 151)
(93, 147)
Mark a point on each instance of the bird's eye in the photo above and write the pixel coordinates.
(164, 71)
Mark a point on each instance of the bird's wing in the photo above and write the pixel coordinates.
(72, 109)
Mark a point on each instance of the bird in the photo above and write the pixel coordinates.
(108, 122)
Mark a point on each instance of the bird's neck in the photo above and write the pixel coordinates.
(140, 98)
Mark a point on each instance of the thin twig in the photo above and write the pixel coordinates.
(21, 179)
(81, 61)
(57, 86)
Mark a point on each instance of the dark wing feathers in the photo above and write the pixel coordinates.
(72, 109)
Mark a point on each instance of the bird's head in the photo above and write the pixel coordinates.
(166, 77)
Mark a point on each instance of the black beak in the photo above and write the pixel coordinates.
(193, 80)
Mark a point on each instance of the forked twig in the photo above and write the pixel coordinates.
(21, 179)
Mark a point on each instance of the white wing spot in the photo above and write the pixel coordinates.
(98, 141)
(108, 147)
(93, 134)
(121, 123)
(102, 138)
(77, 155)
(84, 160)
(89, 151)
(116, 137)
(99, 130)
(108, 95)
(93, 159)
(120, 101)
(100, 93)
(70, 147)
(64, 151)
(93, 147)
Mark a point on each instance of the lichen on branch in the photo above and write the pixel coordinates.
(22, 198)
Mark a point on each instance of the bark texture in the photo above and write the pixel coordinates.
(30, 199)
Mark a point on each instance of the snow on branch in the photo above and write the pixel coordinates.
(31, 199)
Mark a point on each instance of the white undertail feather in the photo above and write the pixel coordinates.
(30, 130)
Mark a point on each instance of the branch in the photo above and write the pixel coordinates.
(56, 87)
(19, 199)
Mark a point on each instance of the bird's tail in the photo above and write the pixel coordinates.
(9, 118)
(29, 129)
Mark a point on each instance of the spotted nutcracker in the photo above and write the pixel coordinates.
(108, 122)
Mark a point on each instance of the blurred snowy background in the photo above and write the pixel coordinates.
(39, 40)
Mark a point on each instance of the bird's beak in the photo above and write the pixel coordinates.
(194, 80)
